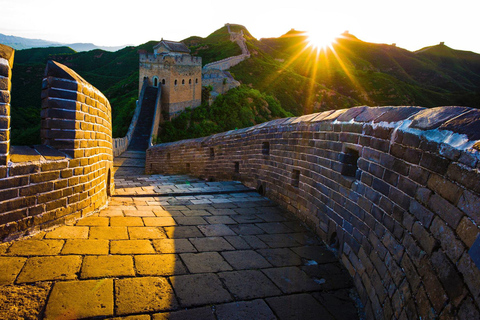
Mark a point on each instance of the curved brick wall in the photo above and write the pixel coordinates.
(395, 190)
(71, 174)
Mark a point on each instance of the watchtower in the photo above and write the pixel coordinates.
(177, 72)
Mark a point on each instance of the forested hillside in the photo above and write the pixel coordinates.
(300, 79)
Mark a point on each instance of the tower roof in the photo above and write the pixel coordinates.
(173, 46)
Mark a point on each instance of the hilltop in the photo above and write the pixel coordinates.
(303, 80)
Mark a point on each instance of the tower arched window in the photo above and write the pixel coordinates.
(196, 80)
(163, 81)
(176, 81)
(183, 81)
(189, 81)
(155, 81)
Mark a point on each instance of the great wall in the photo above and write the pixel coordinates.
(394, 192)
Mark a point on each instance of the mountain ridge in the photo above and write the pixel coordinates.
(303, 80)
(20, 43)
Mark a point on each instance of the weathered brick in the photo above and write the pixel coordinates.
(453, 247)
(444, 188)
(448, 275)
(425, 238)
(46, 176)
(467, 231)
(424, 215)
(464, 176)
(433, 287)
(445, 210)
(470, 204)
(434, 163)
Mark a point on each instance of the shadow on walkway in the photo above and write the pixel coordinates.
(175, 247)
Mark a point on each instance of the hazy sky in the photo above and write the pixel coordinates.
(411, 24)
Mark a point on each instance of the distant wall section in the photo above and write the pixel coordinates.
(71, 174)
(395, 190)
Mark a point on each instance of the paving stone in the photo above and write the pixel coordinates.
(318, 253)
(146, 233)
(223, 212)
(270, 216)
(190, 221)
(211, 244)
(298, 306)
(297, 226)
(146, 294)
(216, 230)
(256, 309)
(126, 222)
(93, 221)
(135, 317)
(107, 266)
(291, 279)
(131, 247)
(278, 240)
(249, 284)
(23, 301)
(86, 247)
(35, 247)
(183, 232)
(246, 218)
(246, 229)
(159, 265)
(193, 213)
(10, 267)
(281, 257)
(68, 232)
(199, 289)
(173, 246)
(111, 212)
(109, 233)
(175, 208)
(205, 262)
(169, 213)
(159, 221)
(205, 313)
(274, 227)
(247, 210)
(237, 242)
(306, 239)
(245, 259)
(255, 242)
(80, 299)
(138, 213)
(338, 303)
(50, 268)
(220, 220)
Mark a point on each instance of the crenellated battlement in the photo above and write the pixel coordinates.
(185, 60)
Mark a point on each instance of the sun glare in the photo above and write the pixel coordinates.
(321, 39)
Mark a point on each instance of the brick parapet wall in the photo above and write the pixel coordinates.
(6, 64)
(42, 186)
(403, 217)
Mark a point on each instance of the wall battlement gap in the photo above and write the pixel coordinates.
(71, 174)
(395, 190)
(170, 59)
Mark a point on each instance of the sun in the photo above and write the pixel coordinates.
(320, 39)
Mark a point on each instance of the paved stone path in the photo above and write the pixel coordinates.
(211, 250)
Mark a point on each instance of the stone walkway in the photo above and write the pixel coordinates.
(175, 247)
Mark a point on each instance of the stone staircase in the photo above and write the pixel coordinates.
(141, 135)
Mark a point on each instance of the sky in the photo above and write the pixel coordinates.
(411, 24)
